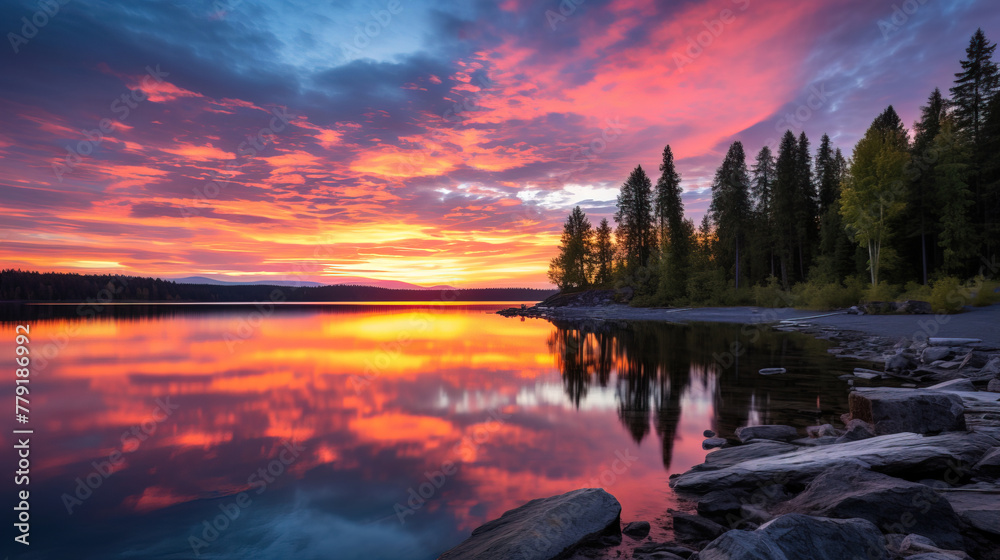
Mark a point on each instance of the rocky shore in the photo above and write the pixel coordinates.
(909, 472)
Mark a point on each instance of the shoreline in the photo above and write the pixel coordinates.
(843, 490)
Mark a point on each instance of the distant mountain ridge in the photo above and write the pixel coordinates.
(343, 281)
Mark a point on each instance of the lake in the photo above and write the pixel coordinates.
(371, 431)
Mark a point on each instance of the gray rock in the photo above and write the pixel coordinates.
(637, 529)
(774, 432)
(900, 362)
(893, 410)
(720, 503)
(935, 353)
(694, 528)
(825, 440)
(735, 455)
(866, 373)
(975, 359)
(712, 443)
(989, 465)
(794, 536)
(992, 367)
(668, 551)
(940, 341)
(543, 529)
(980, 510)
(960, 385)
(857, 430)
(709, 433)
(936, 556)
(892, 504)
(914, 545)
(913, 455)
(993, 386)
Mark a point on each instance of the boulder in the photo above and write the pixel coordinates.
(935, 353)
(694, 528)
(892, 504)
(980, 510)
(989, 465)
(543, 529)
(637, 529)
(992, 367)
(895, 410)
(794, 536)
(900, 362)
(717, 504)
(975, 359)
(993, 386)
(713, 443)
(709, 433)
(774, 432)
(857, 430)
(910, 455)
(914, 545)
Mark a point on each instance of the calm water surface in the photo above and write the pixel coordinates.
(377, 431)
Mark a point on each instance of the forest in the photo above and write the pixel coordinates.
(16, 285)
(900, 218)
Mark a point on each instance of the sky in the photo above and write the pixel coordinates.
(419, 140)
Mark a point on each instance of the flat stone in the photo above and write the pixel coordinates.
(867, 373)
(740, 453)
(542, 529)
(773, 432)
(961, 385)
(979, 509)
(940, 341)
(772, 371)
(794, 536)
(895, 410)
(892, 504)
(894, 454)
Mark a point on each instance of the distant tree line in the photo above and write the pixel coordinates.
(898, 211)
(17, 285)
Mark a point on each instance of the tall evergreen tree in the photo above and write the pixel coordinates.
(785, 204)
(730, 208)
(674, 235)
(957, 238)
(826, 174)
(636, 232)
(920, 217)
(975, 86)
(603, 254)
(805, 210)
(570, 269)
(762, 196)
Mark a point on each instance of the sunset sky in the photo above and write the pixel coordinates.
(441, 144)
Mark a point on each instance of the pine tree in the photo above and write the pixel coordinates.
(785, 204)
(636, 233)
(571, 268)
(975, 86)
(805, 209)
(954, 199)
(603, 255)
(674, 235)
(921, 213)
(730, 208)
(826, 175)
(762, 197)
